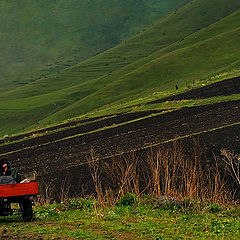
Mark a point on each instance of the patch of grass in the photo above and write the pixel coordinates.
(194, 220)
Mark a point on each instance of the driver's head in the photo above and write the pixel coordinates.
(4, 166)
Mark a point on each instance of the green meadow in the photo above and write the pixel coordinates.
(144, 219)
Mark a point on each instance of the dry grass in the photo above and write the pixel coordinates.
(232, 164)
(46, 192)
(164, 171)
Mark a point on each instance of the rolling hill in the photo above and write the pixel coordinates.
(196, 42)
(201, 59)
(40, 37)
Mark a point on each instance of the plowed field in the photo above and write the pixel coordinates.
(223, 88)
(63, 154)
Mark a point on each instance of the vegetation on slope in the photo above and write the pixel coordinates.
(165, 32)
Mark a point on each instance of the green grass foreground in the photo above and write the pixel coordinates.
(145, 219)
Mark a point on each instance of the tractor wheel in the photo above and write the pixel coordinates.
(27, 211)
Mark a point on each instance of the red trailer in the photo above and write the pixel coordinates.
(21, 193)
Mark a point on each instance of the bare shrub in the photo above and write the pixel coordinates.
(46, 192)
(120, 176)
(154, 166)
(217, 183)
(232, 164)
(123, 174)
(64, 190)
(173, 173)
(168, 175)
(96, 172)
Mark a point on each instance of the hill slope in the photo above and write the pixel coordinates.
(156, 59)
(187, 20)
(200, 56)
(39, 37)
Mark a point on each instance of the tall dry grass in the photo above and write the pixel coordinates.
(163, 171)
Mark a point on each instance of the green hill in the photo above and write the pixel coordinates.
(40, 37)
(197, 57)
(195, 42)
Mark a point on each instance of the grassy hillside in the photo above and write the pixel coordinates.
(174, 50)
(201, 59)
(187, 20)
(39, 37)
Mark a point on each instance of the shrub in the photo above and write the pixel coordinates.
(213, 207)
(129, 199)
(46, 213)
(79, 203)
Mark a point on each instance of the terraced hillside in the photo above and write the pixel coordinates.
(64, 152)
(185, 47)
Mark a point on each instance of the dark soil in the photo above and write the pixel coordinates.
(56, 161)
(74, 130)
(223, 88)
(45, 130)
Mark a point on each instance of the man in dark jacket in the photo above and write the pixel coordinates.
(6, 170)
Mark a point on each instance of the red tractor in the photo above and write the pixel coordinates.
(21, 193)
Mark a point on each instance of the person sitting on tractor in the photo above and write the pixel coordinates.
(6, 170)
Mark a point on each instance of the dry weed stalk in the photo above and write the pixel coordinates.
(96, 171)
(46, 192)
(232, 162)
(219, 193)
(64, 189)
(174, 174)
(122, 172)
(164, 165)
(154, 166)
